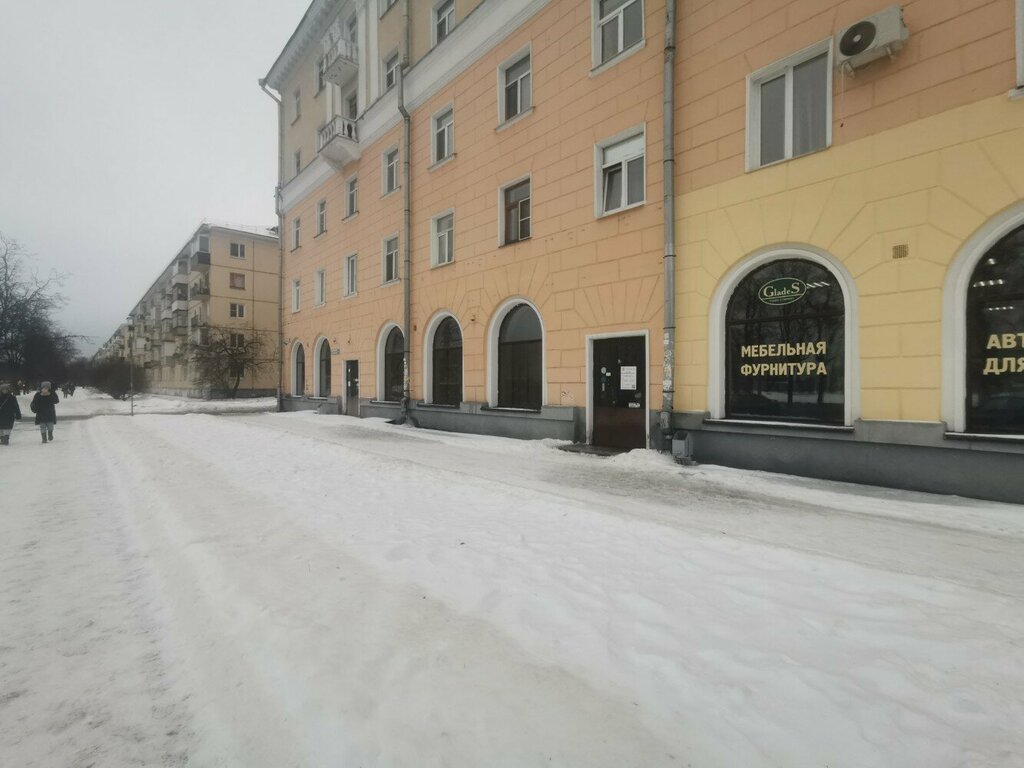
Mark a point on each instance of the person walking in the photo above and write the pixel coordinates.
(44, 406)
(9, 413)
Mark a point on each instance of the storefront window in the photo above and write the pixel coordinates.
(786, 346)
(520, 360)
(394, 366)
(447, 363)
(995, 339)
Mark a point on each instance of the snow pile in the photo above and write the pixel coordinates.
(89, 402)
(344, 592)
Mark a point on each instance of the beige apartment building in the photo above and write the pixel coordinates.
(479, 235)
(221, 286)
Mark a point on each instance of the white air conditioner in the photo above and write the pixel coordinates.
(878, 35)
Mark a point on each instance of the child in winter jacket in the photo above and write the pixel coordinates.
(44, 407)
(9, 413)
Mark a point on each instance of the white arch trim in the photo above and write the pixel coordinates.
(291, 374)
(493, 329)
(954, 312)
(720, 303)
(428, 355)
(381, 341)
(321, 340)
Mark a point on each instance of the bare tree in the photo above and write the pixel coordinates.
(228, 356)
(31, 342)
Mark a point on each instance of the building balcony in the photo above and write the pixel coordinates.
(342, 58)
(179, 305)
(201, 261)
(179, 278)
(338, 141)
(200, 292)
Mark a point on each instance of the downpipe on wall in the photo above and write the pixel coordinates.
(406, 415)
(278, 209)
(669, 259)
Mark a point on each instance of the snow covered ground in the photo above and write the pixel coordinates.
(301, 590)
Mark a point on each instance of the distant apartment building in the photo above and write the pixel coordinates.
(222, 284)
(479, 236)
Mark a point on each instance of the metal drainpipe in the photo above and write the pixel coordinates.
(278, 352)
(669, 169)
(406, 417)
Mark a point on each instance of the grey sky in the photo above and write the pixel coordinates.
(123, 123)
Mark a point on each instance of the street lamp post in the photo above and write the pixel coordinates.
(131, 363)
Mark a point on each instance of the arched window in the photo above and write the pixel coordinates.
(520, 359)
(785, 345)
(995, 339)
(300, 371)
(324, 372)
(394, 358)
(447, 363)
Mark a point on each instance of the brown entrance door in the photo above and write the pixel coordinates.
(351, 387)
(619, 395)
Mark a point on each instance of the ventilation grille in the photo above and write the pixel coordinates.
(900, 251)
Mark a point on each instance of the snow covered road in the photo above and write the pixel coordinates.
(294, 590)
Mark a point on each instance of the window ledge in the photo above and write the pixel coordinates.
(321, 304)
(350, 295)
(752, 168)
(508, 409)
(296, 248)
(391, 282)
(386, 402)
(442, 162)
(351, 216)
(390, 192)
(988, 437)
(442, 406)
(513, 120)
(835, 428)
(324, 232)
(438, 265)
(620, 56)
(514, 242)
(623, 209)
(1017, 93)
(323, 399)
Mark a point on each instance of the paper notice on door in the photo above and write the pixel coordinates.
(627, 377)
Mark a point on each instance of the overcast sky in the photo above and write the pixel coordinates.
(123, 123)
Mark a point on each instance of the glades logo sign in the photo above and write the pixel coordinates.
(782, 290)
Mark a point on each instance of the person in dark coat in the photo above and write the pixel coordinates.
(9, 413)
(44, 406)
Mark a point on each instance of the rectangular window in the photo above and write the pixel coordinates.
(517, 212)
(444, 135)
(444, 17)
(296, 104)
(238, 250)
(321, 70)
(320, 288)
(352, 107)
(790, 107)
(390, 171)
(620, 26)
(298, 161)
(236, 310)
(321, 217)
(296, 294)
(352, 197)
(350, 275)
(296, 227)
(237, 340)
(443, 249)
(237, 281)
(622, 174)
(390, 71)
(516, 89)
(390, 259)
(352, 28)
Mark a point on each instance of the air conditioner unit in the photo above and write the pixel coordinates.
(881, 34)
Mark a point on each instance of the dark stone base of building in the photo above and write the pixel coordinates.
(908, 456)
(213, 394)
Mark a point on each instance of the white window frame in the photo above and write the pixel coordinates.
(428, 354)
(494, 331)
(784, 67)
(236, 310)
(296, 232)
(502, 235)
(231, 281)
(352, 196)
(352, 28)
(352, 106)
(321, 217)
(503, 68)
(384, 252)
(298, 161)
(391, 71)
(320, 288)
(351, 274)
(382, 340)
(449, 21)
(600, 166)
(237, 250)
(296, 294)
(439, 125)
(720, 305)
(595, 33)
(321, 74)
(439, 253)
(296, 104)
(384, 165)
(1018, 92)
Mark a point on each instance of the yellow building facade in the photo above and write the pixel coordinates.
(841, 169)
